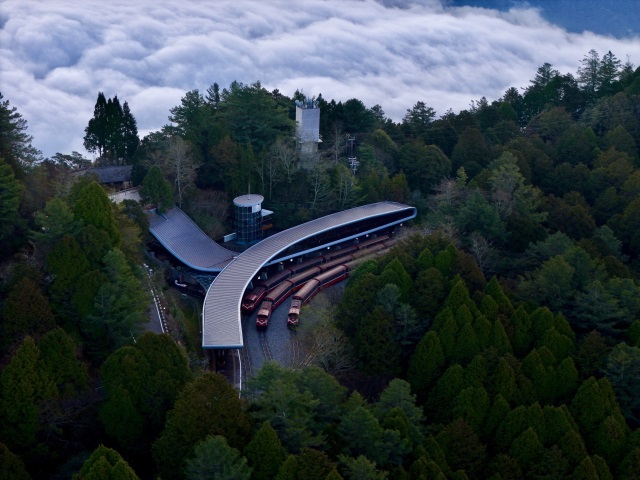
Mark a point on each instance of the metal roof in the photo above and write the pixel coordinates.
(110, 173)
(221, 327)
(184, 239)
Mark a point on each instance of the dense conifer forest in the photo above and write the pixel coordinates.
(498, 339)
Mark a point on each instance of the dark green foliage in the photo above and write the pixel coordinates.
(26, 311)
(395, 273)
(119, 308)
(472, 405)
(426, 364)
(265, 453)
(10, 220)
(447, 388)
(377, 355)
(156, 190)
(105, 463)
(209, 405)
(630, 466)
(289, 469)
(497, 413)
(361, 468)
(309, 398)
(361, 434)
(15, 143)
(92, 206)
(424, 165)
(543, 195)
(24, 387)
(112, 132)
(141, 383)
(60, 356)
(214, 458)
(313, 465)
(12, 466)
(633, 333)
(357, 302)
(462, 448)
(622, 368)
(430, 291)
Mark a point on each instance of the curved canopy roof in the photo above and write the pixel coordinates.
(184, 239)
(221, 327)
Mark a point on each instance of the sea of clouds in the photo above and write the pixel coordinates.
(55, 56)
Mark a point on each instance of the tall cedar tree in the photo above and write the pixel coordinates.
(112, 132)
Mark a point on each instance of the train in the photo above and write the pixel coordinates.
(305, 283)
(313, 286)
(299, 273)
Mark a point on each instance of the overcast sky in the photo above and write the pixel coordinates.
(55, 56)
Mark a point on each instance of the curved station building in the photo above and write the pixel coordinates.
(221, 320)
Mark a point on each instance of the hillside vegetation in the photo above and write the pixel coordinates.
(500, 337)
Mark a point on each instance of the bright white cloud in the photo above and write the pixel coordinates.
(55, 56)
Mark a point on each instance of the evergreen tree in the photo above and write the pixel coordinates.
(291, 410)
(209, 405)
(361, 468)
(313, 464)
(214, 458)
(10, 220)
(361, 434)
(92, 206)
(462, 447)
(425, 364)
(265, 453)
(289, 469)
(26, 311)
(157, 190)
(24, 386)
(103, 464)
(119, 307)
(15, 143)
(130, 139)
(60, 357)
(95, 138)
(13, 467)
(112, 132)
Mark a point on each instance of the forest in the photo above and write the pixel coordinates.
(498, 339)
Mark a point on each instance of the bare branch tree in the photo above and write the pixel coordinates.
(320, 190)
(285, 155)
(480, 249)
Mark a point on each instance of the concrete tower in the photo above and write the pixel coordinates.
(307, 128)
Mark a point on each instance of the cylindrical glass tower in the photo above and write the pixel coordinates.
(248, 209)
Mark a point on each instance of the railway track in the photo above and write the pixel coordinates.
(264, 344)
(295, 349)
(247, 370)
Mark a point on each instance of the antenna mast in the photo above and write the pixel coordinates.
(353, 161)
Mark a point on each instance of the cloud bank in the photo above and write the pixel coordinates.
(55, 56)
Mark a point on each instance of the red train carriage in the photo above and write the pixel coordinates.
(335, 262)
(339, 253)
(253, 298)
(372, 241)
(301, 278)
(264, 312)
(305, 264)
(276, 279)
(369, 250)
(278, 294)
(332, 276)
(294, 313)
(271, 301)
